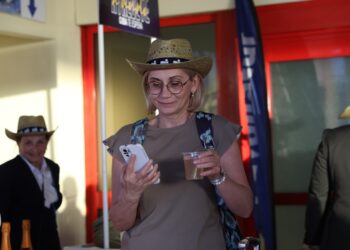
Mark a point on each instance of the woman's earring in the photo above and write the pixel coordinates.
(192, 94)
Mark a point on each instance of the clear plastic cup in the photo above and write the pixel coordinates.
(191, 171)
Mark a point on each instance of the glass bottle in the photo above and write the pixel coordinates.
(26, 241)
(5, 242)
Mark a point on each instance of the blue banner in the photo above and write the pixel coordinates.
(253, 73)
(135, 16)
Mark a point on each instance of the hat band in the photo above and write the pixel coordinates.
(31, 130)
(167, 60)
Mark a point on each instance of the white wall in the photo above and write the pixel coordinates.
(40, 73)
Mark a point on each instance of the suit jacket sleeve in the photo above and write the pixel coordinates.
(318, 194)
(5, 191)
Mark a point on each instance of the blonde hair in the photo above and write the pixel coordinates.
(196, 98)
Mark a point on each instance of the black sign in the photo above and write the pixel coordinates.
(135, 16)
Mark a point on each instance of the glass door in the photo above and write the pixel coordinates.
(308, 89)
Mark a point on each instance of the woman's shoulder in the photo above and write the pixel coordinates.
(222, 119)
(224, 131)
(217, 117)
(121, 136)
(221, 122)
(122, 131)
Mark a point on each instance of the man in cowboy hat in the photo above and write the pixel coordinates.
(327, 220)
(29, 186)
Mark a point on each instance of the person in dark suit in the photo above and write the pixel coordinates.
(29, 186)
(327, 220)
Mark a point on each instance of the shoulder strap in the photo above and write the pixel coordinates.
(138, 131)
(230, 226)
(205, 129)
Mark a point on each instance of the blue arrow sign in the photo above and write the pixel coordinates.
(32, 7)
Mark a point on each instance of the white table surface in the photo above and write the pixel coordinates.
(86, 248)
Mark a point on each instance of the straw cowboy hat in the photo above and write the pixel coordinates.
(29, 125)
(169, 54)
(346, 113)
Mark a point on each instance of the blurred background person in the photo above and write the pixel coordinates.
(327, 220)
(29, 186)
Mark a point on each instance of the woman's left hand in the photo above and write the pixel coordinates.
(209, 161)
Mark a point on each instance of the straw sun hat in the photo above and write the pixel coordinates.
(29, 125)
(170, 54)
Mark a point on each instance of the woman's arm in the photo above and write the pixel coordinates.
(235, 190)
(127, 188)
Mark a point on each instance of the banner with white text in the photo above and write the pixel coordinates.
(140, 17)
(253, 73)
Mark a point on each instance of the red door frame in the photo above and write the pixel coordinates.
(293, 31)
(309, 30)
(328, 43)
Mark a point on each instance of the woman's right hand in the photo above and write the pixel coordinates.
(127, 188)
(135, 183)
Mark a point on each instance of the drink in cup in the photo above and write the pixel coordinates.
(191, 171)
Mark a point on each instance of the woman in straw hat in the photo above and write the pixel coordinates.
(176, 213)
(29, 186)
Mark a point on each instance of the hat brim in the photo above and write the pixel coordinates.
(202, 65)
(16, 136)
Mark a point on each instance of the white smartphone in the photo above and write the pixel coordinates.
(136, 149)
